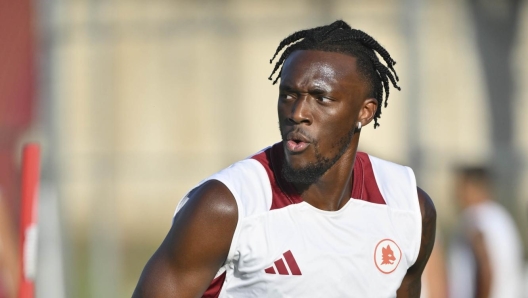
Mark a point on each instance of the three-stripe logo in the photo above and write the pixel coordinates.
(285, 265)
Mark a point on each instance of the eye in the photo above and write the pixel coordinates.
(324, 99)
(286, 96)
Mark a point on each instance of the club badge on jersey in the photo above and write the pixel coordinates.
(387, 256)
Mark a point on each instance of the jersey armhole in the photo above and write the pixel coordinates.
(249, 184)
(417, 213)
(240, 212)
(397, 184)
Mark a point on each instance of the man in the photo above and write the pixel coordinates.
(309, 216)
(486, 255)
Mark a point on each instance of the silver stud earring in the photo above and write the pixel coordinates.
(359, 126)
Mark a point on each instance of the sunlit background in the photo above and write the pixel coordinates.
(134, 102)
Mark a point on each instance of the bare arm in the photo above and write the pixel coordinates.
(195, 247)
(411, 284)
(484, 275)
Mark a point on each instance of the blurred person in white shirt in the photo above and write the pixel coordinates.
(486, 253)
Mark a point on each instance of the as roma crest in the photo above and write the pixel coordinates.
(387, 256)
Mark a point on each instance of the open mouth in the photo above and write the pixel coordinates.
(296, 141)
(296, 145)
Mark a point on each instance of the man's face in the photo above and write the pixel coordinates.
(470, 192)
(320, 98)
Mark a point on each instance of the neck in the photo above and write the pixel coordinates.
(332, 190)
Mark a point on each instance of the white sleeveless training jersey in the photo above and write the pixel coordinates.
(284, 247)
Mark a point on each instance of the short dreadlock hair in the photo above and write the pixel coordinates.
(339, 37)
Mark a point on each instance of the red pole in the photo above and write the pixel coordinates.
(28, 219)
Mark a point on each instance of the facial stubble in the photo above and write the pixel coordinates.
(309, 174)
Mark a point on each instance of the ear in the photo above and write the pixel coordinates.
(367, 111)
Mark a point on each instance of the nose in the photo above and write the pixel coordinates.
(300, 111)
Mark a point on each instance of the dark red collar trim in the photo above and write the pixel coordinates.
(284, 193)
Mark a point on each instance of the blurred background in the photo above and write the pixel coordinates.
(135, 102)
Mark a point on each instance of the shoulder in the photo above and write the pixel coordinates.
(386, 171)
(247, 183)
(427, 207)
(210, 211)
(211, 198)
(196, 246)
(205, 225)
(395, 182)
(242, 175)
(243, 186)
(428, 212)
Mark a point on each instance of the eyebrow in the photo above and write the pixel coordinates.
(286, 87)
(317, 89)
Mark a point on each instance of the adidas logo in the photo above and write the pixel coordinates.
(285, 265)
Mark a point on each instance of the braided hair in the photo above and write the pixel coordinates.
(341, 38)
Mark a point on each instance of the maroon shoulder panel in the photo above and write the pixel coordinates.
(213, 291)
(365, 186)
(283, 193)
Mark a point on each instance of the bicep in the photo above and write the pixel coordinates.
(412, 284)
(195, 247)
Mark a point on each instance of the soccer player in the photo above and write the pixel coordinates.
(309, 216)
